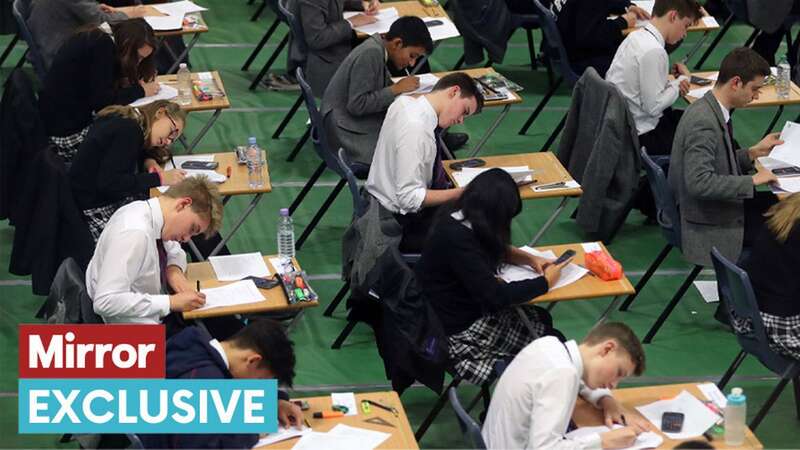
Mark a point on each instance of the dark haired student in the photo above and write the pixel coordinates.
(92, 70)
(361, 90)
(260, 350)
(468, 246)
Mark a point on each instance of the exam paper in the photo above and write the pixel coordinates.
(282, 434)
(385, 18)
(179, 9)
(697, 417)
(347, 399)
(465, 176)
(708, 290)
(213, 175)
(591, 247)
(236, 267)
(788, 184)
(316, 441)
(569, 274)
(426, 83)
(710, 21)
(165, 92)
(368, 438)
(648, 439)
(701, 91)
(447, 29)
(239, 293)
(164, 23)
(789, 151)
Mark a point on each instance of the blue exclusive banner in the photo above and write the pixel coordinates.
(147, 406)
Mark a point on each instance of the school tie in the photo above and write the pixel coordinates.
(440, 180)
(162, 261)
(731, 155)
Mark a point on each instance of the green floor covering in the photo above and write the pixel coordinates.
(689, 347)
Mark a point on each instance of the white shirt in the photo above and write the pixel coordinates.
(402, 167)
(640, 71)
(533, 401)
(725, 113)
(123, 278)
(218, 347)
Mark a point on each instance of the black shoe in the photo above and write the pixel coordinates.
(455, 141)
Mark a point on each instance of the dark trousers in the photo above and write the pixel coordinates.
(766, 44)
(416, 227)
(658, 141)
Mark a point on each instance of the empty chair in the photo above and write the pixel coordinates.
(470, 428)
(21, 11)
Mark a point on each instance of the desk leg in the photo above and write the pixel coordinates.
(183, 54)
(294, 321)
(424, 58)
(774, 120)
(607, 312)
(525, 320)
(202, 133)
(239, 222)
(549, 221)
(696, 47)
(195, 251)
(490, 131)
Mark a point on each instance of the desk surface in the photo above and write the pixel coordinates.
(401, 434)
(200, 27)
(275, 297)
(589, 286)
(767, 97)
(480, 71)
(546, 169)
(238, 183)
(411, 8)
(197, 105)
(587, 415)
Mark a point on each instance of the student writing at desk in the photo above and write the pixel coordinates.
(92, 70)
(407, 176)
(469, 244)
(361, 90)
(260, 350)
(139, 254)
(640, 71)
(121, 158)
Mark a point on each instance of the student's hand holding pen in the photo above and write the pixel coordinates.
(371, 7)
(406, 84)
(619, 438)
(186, 301)
(361, 19)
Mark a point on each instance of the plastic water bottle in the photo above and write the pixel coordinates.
(285, 236)
(254, 164)
(783, 82)
(184, 85)
(735, 415)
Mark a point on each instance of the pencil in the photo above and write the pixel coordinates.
(198, 285)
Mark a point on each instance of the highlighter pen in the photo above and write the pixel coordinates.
(328, 414)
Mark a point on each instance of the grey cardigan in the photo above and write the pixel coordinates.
(328, 37)
(709, 181)
(52, 22)
(357, 98)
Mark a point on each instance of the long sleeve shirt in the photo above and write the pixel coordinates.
(640, 70)
(586, 28)
(123, 278)
(533, 401)
(402, 167)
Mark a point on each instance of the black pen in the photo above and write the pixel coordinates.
(172, 161)
(198, 285)
(624, 422)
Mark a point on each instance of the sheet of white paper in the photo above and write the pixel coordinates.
(712, 392)
(789, 151)
(569, 274)
(383, 14)
(708, 290)
(647, 439)
(368, 438)
(571, 184)
(446, 30)
(646, 5)
(212, 175)
(347, 399)
(236, 267)
(316, 441)
(385, 19)
(180, 159)
(426, 83)
(279, 266)
(465, 176)
(700, 92)
(591, 247)
(179, 9)
(710, 21)
(165, 92)
(788, 184)
(164, 23)
(282, 434)
(239, 293)
(697, 417)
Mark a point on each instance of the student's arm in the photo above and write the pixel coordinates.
(593, 396)
(99, 87)
(120, 266)
(366, 92)
(318, 32)
(89, 11)
(413, 154)
(176, 267)
(617, 6)
(595, 30)
(657, 92)
(552, 411)
(353, 5)
(699, 172)
(434, 197)
(116, 178)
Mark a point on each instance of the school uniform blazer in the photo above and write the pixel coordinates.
(709, 181)
(357, 99)
(328, 37)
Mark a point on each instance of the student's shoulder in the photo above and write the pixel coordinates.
(132, 220)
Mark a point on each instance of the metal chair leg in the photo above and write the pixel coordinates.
(309, 184)
(770, 401)
(540, 107)
(531, 48)
(8, 49)
(674, 302)
(22, 59)
(259, 11)
(459, 63)
(554, 134)
(320, 212)
(731, 370)
(752, 38)
(437, 408)
(649, 273)
(261, 44)
(269, 62)
(337, 299)
(288, 117)
(337, 344)
(299, 145)
(725, 27)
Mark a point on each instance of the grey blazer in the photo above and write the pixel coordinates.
(357, 99)
(328, 37)
(708, 178)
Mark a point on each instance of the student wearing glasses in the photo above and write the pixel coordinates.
(121, 159)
